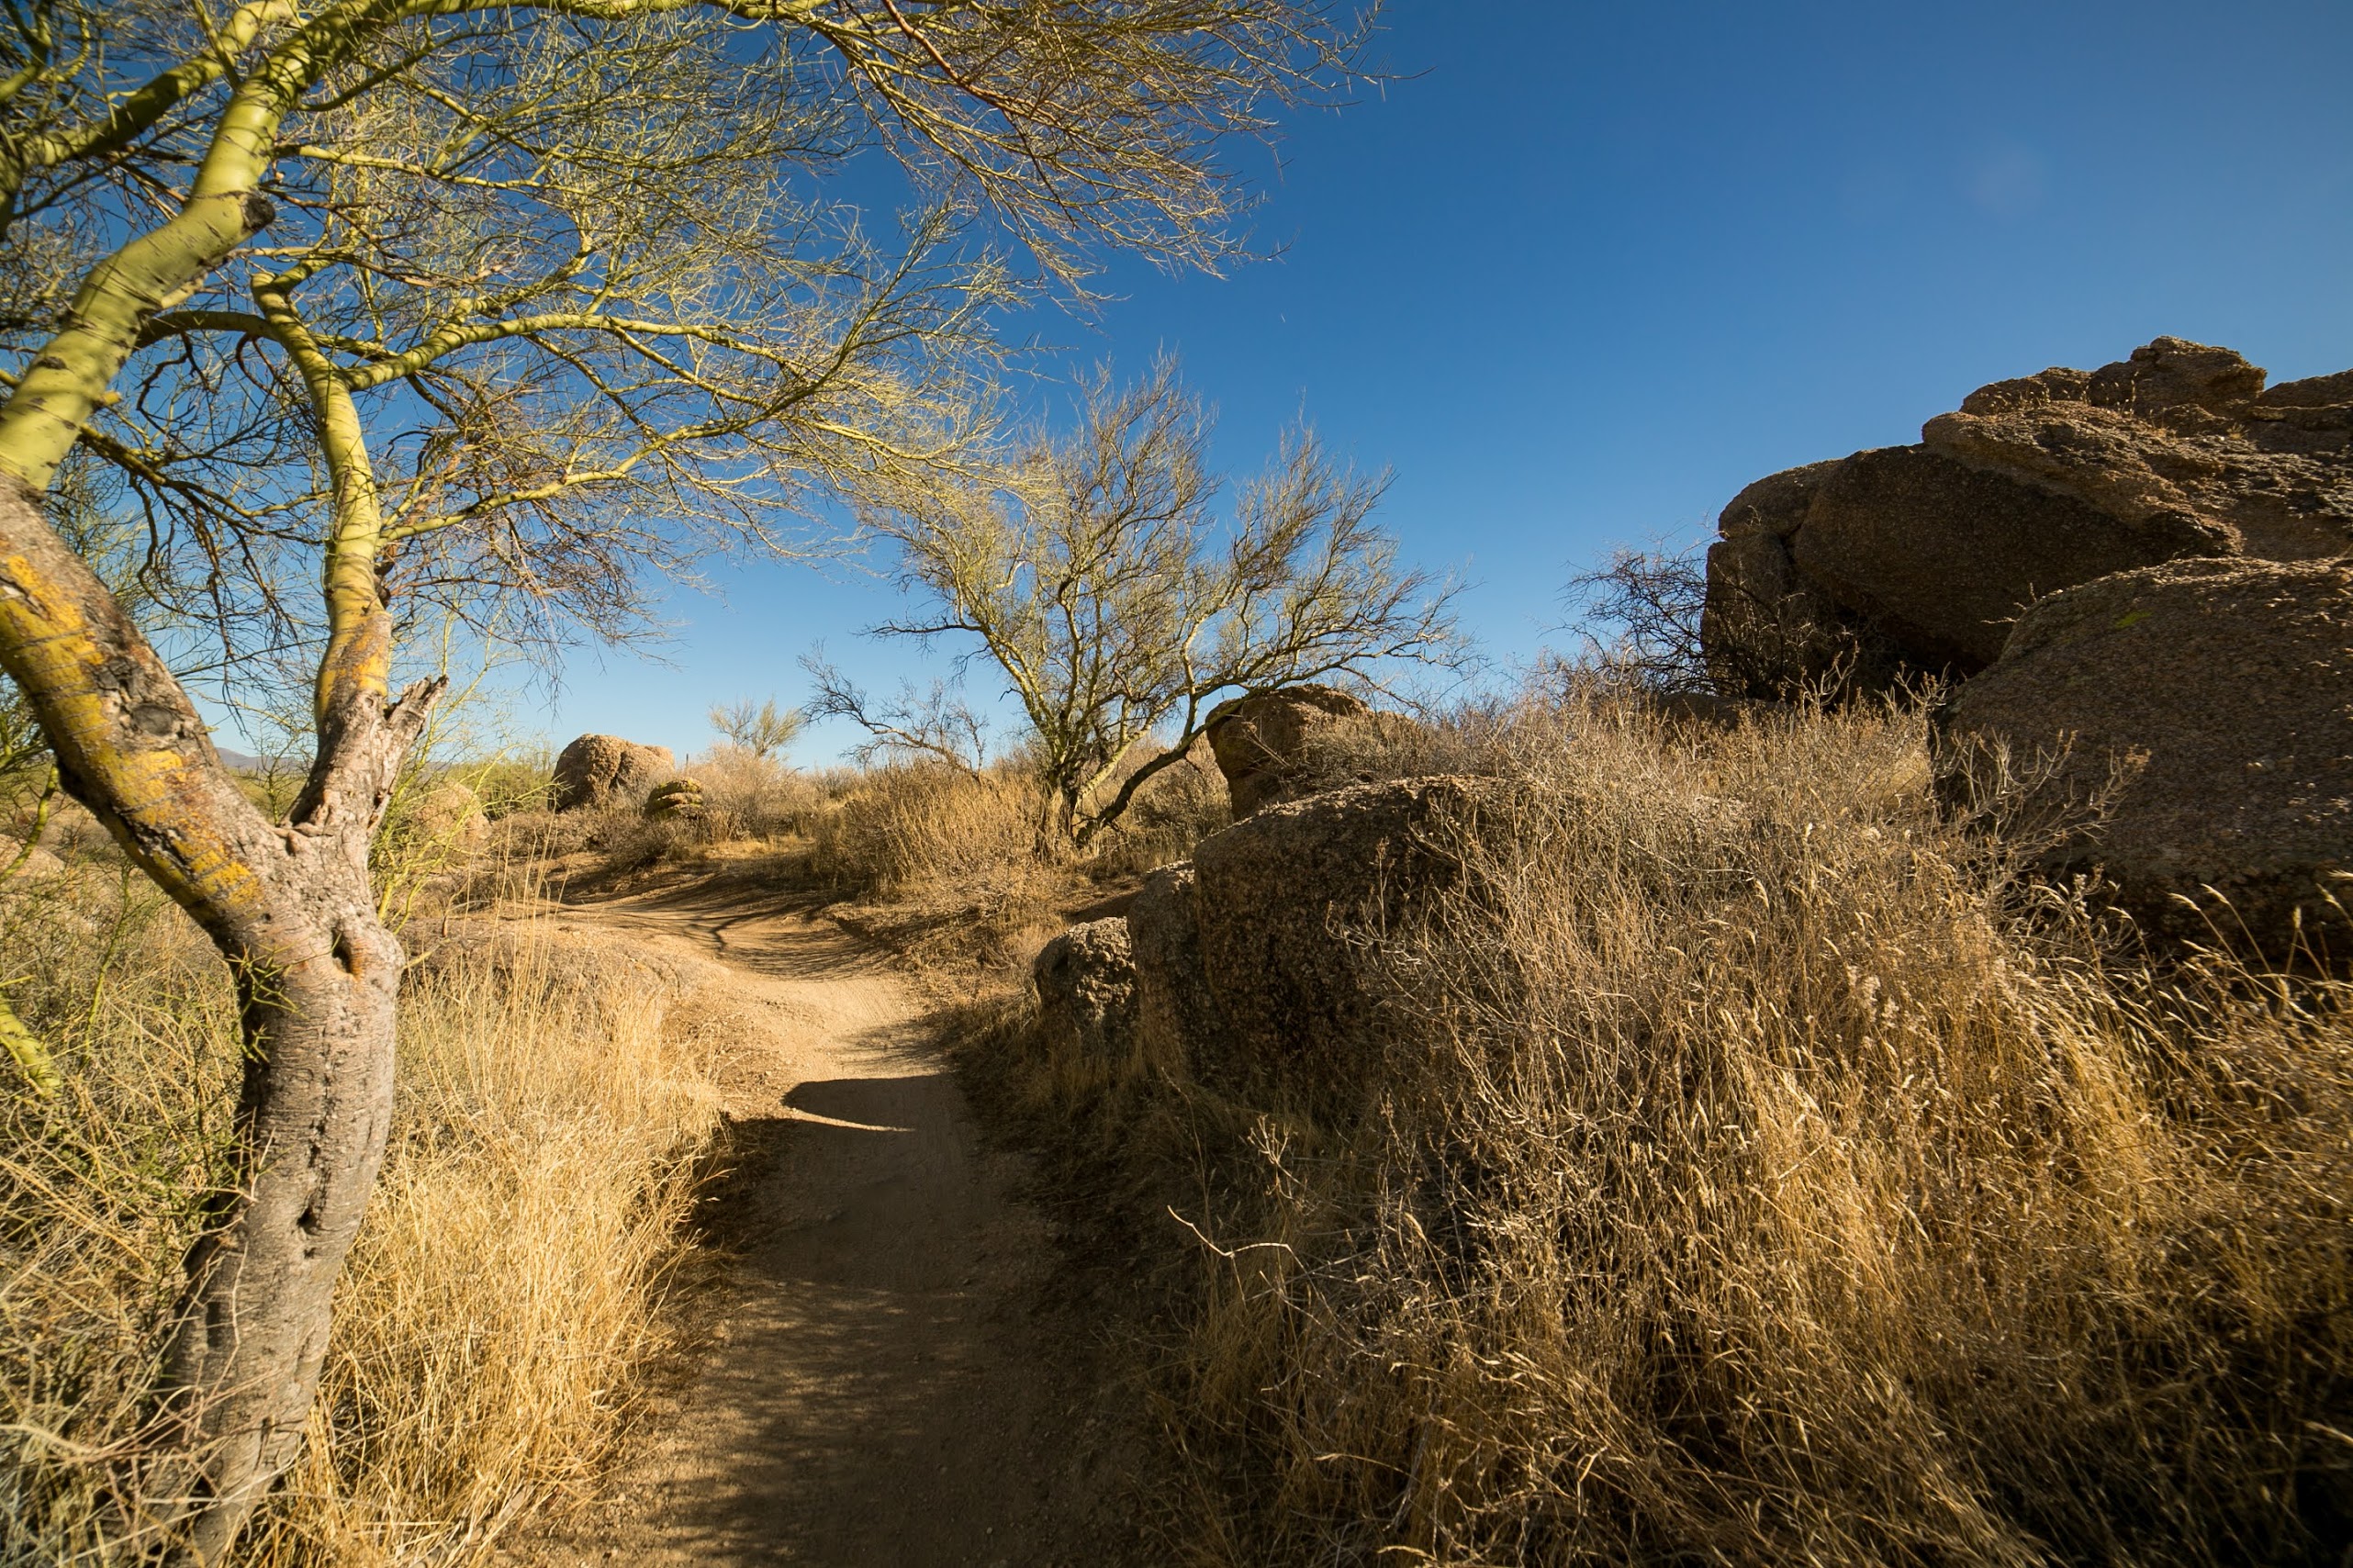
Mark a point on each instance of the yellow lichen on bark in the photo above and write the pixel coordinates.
(58, 658)
(25, 1048)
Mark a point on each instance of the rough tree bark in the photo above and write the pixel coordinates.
(289, 904)
(290, 907)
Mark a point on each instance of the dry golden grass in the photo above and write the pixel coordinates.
(908, 826)
(1760, 1172)
(506, 1286)
(502, 1297)
(99, 1185)
(959, 871)
(749, 796)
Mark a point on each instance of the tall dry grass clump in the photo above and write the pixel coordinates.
(749, 796)
(551, 1105)
(903, 826)
(1760, 1172)
(554, 1102)
(102, 1185)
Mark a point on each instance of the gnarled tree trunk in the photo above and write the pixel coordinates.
(290, 908)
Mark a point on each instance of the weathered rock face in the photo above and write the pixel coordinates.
(1270, 904)
(1086, 990)
(1939, 557)
(2218, 697)
(1258, 739)
(601, 772)
(1176, 1017)
(1919, 558)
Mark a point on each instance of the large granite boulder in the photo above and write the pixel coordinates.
(1176, 1014)
(605, 773)
(1762, 628)
(1258, 740)
(1086, 992)
(1279, 906)
(2205, 708)
(1917, 559)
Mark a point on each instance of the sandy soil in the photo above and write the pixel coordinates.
(883, 1375)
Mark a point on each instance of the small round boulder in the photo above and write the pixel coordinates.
(1086, 990)
(680, 800)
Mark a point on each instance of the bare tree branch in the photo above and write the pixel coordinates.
(1095, 572)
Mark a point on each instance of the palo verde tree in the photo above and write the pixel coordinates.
(373, 306)
(1096, 573)
(762, 729)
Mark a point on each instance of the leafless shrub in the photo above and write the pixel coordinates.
(762, 729)
(1640, 618)
(1120, 602)
(1173, 810)
(748, 794)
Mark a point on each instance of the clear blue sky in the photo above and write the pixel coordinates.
(1587, 270)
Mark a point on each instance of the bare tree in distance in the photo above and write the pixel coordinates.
(1097, 575)
(916, 723)
(762, 729)
(1639, 616)
(517, 279)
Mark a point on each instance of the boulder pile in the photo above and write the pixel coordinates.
(2138, 578)
(605, 772)
(2136, 583)
(680, 800)
(1913, 560)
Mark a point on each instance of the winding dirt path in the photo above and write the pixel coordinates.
(884, 1379)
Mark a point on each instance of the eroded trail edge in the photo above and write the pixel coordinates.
(880, 1377)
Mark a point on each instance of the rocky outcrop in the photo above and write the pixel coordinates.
(2183, 727)
(1244, 968)
(1086, 992)
(1918, 559)
(1249, 961)
(1260, 740)
(605, 773)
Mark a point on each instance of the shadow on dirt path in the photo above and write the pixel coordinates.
(884, 1378)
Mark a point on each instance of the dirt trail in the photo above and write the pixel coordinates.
(885, 1381)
